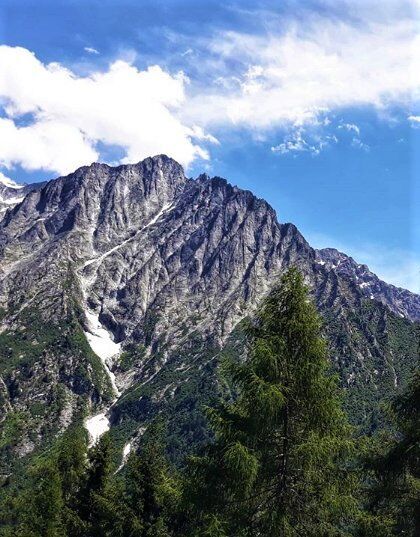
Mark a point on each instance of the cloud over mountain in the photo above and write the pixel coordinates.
(69, 114)
(289, 74)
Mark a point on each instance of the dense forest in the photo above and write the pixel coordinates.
(282, 458)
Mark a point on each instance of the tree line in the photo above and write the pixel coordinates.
(284, 461)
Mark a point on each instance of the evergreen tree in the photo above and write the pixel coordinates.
(40, 506)
(279, 465)
(394, 507)
(72, 467)
(94, 507)
(45, 502)
(151, 490)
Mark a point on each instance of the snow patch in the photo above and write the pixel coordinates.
(364, 284)
(101, 341)
(102, 344)
(96, 427)
(126, 452)
(105, 348)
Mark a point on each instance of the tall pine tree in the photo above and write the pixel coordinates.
(394, 492)
(279, 465)
(151, 490)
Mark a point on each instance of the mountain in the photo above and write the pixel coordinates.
(12, 193)
(402, 302)
(122, 287)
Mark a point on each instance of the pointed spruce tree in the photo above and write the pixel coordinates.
(394, 471)
(150, 488)
(280, 463)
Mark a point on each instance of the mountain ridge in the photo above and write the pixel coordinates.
(400, 300)
(140, 260)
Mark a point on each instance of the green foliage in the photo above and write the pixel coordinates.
(278, 458)
(186, 389)
(151, 491)
(41, 506)
(279, 465)
(134, 354)
(71, 493)
(394, 470)
(51, 359)
(374, 350)
(12, 428)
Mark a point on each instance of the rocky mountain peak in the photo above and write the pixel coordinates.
(123, 284)
(400, 301)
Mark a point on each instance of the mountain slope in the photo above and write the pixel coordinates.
(402, 302)
(12, 193)
(121, 287)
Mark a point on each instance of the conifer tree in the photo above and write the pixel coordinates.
(94, 506)
(41, 504)
(279, 465)
(394, 507)
(151, 490)
(72, 467)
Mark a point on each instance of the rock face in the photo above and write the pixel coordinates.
(12, 193)
(141, 260)
(400, 301)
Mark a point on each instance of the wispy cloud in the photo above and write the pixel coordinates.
(91, 50)
(309, 67)
(350, 127)
(358, 144)
(289, 74)
(296, 142)
(414, 119)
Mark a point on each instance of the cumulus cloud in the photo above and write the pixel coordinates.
(123, 106)
(46, 144)
(289, 76)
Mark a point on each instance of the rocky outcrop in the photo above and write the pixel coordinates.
(402, 302)
(12, 193)
(167, 267)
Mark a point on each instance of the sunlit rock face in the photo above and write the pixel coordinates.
(126, 282)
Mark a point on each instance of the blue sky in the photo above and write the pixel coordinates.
(313, 106)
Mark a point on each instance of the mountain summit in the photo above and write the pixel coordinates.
(120, 287)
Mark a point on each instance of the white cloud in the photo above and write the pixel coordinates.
(350, 127)
(91, 50)
(315, 66)
(6, 181)
(292, 143)
(358, 144)
(296, 143)
(414, 119)
(290, 77)
(123, 106)
(187, 52)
